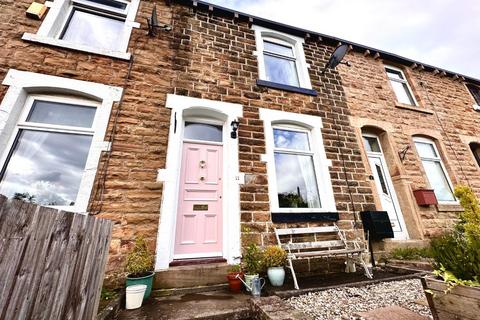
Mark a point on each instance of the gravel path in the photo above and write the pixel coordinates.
(344, 303)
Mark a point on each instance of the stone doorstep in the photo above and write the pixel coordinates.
(179, 291)
(420, 265)
(214, 305)
(388, 245)
(191, 276)
(391, 313)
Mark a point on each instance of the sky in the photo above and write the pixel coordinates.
(442, 33)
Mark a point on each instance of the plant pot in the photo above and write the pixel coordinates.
(276, 275)
(234, 283)
(461, 302)
(248, 280)
(425, 197)
(146, 279)
(134, 296)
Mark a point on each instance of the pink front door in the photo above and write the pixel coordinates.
(199, 214)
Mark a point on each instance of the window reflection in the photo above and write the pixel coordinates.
(281, 70)
(61, 114)
(94, 30)
(46, 166)
(278, 48)
(203, 131)
(288, 139)
(296, 182)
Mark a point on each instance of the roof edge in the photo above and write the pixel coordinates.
(209, 7)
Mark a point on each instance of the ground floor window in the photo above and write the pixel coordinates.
(434, 169)
(294, 168)
(51, 139)
(298, 171)
(47, 158)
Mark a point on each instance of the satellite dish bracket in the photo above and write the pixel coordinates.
(153, 24)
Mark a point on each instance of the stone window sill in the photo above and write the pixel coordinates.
(412, 108)
(64, 44)
(449, 207)
(274, 85)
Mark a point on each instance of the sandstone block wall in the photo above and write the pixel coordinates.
(210, 56)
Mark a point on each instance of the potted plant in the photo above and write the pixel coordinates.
(234, 275)
(139, 266)
(252, 263)
(274, 258)
(457, 262)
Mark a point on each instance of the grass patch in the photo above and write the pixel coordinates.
(106, 296)
(410, 253)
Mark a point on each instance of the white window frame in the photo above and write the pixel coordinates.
(437, 159)
(296, 43)
(311, 124)
(24, 87)
(476, 105)
(59, 16)
(404, 81)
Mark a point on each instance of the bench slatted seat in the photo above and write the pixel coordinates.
(317, 242)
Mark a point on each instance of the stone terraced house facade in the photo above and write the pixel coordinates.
(98, 117)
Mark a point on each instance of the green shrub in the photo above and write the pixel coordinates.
(457, 254)
(234, 268)
(252, 259)
(410, 253)
(139, 260)
(274, 256)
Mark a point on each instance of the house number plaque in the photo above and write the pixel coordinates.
(200, 207)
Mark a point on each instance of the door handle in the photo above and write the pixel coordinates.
(202, 178)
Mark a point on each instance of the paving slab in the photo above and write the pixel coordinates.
(275, 308)
(207, 305)
(391, 313)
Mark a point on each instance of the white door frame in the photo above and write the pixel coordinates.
(379, 155)
(183, 108)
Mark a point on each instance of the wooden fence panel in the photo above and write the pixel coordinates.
(51, 262)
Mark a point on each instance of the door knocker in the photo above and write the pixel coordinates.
(202, 164)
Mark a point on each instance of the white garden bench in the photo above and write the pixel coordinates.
(317, 242)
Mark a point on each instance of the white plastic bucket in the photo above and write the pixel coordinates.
(135, 296)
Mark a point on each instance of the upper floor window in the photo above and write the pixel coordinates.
(281, 59)
(475, 148)
(400, 86)
(98, 26)
(434, 169)
(299, 179)
(51, 141)
(475, 92)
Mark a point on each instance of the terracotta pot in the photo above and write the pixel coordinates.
(234, 284)
(425, 197)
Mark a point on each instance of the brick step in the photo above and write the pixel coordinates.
(191, 276)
